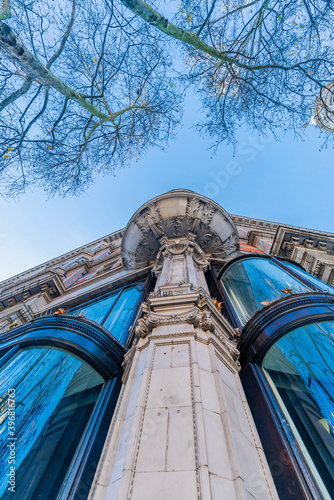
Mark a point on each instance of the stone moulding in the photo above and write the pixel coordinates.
(202, 317)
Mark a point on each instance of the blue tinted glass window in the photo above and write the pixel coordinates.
(54, 394)
(299, 368)
(315, 281)
(254, 283)
(96, 311)
(118, 319)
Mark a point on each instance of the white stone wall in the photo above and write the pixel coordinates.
(183, 430)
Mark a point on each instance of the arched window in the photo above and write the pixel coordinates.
(252, 283)
(287, 356)
(59, 383)
(300, 370)
(47, 399)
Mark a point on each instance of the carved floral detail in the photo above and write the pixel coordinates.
(193, 208)
(196, 209)
(149, 219)
(208, 213)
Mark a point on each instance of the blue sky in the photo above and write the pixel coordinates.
(288, 181)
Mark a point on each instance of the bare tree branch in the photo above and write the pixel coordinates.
(65, 37)
(153, 17)
(18, 93)
(19, 54)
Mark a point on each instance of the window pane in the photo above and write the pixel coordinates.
(55, 393)
(119, 317)
(96, 311)
(315, 281)
(252, 284)
(300, 369)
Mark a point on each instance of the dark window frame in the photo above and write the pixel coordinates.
(291, 473)
(35, 334)
(267, 328)
(232, 315)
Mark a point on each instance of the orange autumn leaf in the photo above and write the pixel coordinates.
(59, 312)
(189, 18)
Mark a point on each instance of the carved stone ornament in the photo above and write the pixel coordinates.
(177, 247)
(207, 322)
(199, 318)
(153, 320)
(175, 215)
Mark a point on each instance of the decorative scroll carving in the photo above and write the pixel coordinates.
(197, 209)
(208, 213)
(196, 218)
(153, 320)
(230, 345)
(152, 214)
(129, 259)
(142, 223)
(207, 322)
(196, 317)
(142, 328)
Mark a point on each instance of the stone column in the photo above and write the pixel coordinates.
(182, 429)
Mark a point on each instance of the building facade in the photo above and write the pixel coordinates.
(187, 356)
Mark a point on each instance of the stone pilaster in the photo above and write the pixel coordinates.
(182, 429)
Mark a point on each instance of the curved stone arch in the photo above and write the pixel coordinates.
(176, 214)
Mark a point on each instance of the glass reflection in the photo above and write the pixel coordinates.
(55, 394)
(315, 281)
(114, 312)
(254, 283)
(98, 310)
(118, 319)
(299, 367)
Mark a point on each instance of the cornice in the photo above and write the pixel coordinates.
(299, 232)
(50, 286)
(100, 285)
(41, 269)
(256, 224)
